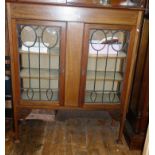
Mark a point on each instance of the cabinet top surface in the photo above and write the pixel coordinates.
(110, 4)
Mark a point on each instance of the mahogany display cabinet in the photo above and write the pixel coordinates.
(73, 54)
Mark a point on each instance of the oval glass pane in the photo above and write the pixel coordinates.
(97, 40)
(28, 36)
(93, 96)
(49, 94)
(30, 93)
(50, 37)
(120, 40)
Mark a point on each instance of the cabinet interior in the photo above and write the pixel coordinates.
(39, 54)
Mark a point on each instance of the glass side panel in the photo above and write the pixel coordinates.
(39, 55)
(107, 55)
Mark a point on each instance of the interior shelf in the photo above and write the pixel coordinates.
(120, 55)
(108, 75)
(53, 52)
(97, 97)
(44, 73)
(40, 95)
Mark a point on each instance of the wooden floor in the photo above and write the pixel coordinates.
(68, 136)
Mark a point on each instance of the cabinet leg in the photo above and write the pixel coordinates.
(16, 128)
(120, 136)
(56, 111)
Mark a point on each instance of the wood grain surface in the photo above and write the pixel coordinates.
(89, 134)
(73, 63)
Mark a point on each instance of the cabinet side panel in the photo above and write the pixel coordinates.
(139, 67)
(73, 63)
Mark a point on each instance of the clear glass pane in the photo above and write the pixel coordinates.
(106, 65)
(39, 55)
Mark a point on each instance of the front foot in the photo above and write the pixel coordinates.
(119, 141)
(16, 141)
(16, 138)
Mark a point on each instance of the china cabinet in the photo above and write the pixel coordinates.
(73, 54)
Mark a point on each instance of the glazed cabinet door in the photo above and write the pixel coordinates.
(105, 64)
(39, 56)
